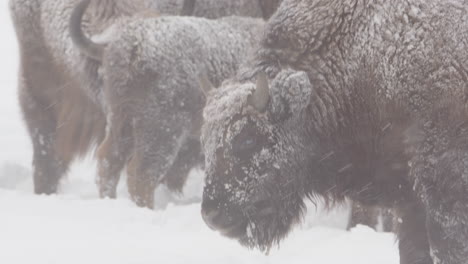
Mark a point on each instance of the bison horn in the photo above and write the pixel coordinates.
(205, 84)
(259, 99)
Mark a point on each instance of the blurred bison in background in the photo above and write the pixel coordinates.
(361, 99)
(62, 110)
(152, 98)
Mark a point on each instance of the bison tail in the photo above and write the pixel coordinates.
(79, 39)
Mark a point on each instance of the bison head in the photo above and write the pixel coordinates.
(255, 156)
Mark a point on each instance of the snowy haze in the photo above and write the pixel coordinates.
(77, 227)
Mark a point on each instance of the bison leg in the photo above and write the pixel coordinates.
(141, 183)
(157, 147)
(140, 186)
(49, 166)
(443, 189)
(40, 87)
(388, 220)
(188, 157)
(448, 239)
(412, 235)
(363, 215)
(112, 156)
(371, 216)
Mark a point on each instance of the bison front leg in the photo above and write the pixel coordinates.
(141, 175)
(363, 215)
(412, 234)
(140, 186)
(112, 156)
(158, 141)
(443, 188)
(448, 238)
(142, 180)
(371, 216)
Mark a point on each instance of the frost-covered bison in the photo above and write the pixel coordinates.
(152, 97)
(361, 99)
(220, 8)
(60, 107)
(59, 88)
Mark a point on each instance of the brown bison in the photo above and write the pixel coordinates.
(61, 110)
(153, 102)
(361, 99)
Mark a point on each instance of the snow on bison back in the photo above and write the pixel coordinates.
(346, 99)
(60, 88)
(153, 100)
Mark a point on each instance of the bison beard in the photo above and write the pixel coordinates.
(365, 100)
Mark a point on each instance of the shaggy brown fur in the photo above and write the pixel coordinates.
(63, 116)
(352, 107)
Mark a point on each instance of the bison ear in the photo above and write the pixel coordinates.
(291, 92)
(261, 96)
(205, 84)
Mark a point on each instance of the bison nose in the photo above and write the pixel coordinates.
(229, 222)
(209, 217)
(210, 212)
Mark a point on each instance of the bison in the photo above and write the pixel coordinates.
(354, 99)
(61, 109)
(153, 103)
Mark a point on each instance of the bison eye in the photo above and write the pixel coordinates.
(245, 145)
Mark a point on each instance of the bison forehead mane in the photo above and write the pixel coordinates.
(222, 105)
(227, 101)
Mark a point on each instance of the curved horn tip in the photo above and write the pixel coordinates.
(205, 84)
(261, 96)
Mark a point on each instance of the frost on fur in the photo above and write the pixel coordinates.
(366, 101)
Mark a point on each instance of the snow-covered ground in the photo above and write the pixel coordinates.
(77, 227)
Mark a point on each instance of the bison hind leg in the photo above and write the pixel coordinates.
(48, 165)
(49, 168)
(112, 155)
